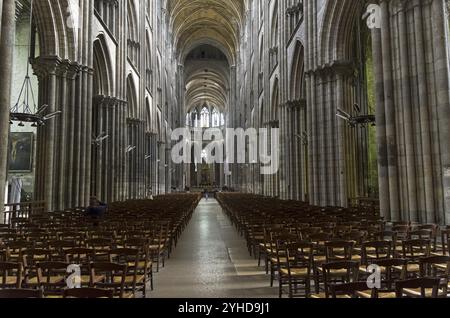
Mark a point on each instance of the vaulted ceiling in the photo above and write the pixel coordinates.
(201, 24)
(215, 22)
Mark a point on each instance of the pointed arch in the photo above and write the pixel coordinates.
(337, 30)
(275, 99)
(148, 114)
(103, 71)
(274, 25)
(57, 37)
(131, 97)
(297, 82)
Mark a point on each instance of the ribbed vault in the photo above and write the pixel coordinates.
(206, 81)
(215, 22)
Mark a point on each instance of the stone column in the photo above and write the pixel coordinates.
(6, 62)
(342, 169)
(408, 109)
(47, 69)
(383, 173)
(71, 75)
(441, 67)
(390, 112)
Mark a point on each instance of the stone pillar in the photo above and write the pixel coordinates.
(441, 67)
(71, 111)
(408, 109)
(49, 160)
(6, 62)
(383, 173)
(390, 113)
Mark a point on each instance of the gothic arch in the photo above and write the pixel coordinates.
(275, 99)
(56, 25)
(297, 82)
(337, 29)
(103, 74)
(148, 114)
(132, 21)
(274, 25)
(131, 97)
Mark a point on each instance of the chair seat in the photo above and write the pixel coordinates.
(52, 280)
(374, 256)
(336, 272)
(140, 265)
(297, 272)
(11, 280)
(156, 247)
(54, 296)
(128, 295)
(130, 279)
(416, 293)
(442, 267)
(86, 279)
(320, 258)
(363, 269)
(411, 268)
(387, 294)
(322, 296)
(267, 245)
(274, 260)
(364, 294)
(437, 254)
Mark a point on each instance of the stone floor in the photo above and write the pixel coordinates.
(211, 261)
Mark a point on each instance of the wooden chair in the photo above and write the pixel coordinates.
(58, 248)
(337, 272)
(112, 277)
(82, 257)
(15, 249)
(401, 234)
(3, 255)
(351, 290)
(445, 241)
(373, 251)
(135, 281)
(78, 237)
(52, 278)
(319, 255)
(101, 247)
(294, 267)
(30, 258)
(428, 287)
(11, 275)
(413, 250)
(434, 228)
(436, 267)
(274, 254)
(254, 233)
(336, 251)
(20, 293)
(88, 293)
(145, 263)
(391, 270)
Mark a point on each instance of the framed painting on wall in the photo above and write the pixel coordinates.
(21, 152)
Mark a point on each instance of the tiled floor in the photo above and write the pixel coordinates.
(211, 261)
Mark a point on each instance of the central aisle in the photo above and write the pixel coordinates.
(211, 261)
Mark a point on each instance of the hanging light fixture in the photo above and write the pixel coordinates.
(25, 109)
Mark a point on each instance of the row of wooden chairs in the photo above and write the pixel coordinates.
(303, 246)
(112, 256)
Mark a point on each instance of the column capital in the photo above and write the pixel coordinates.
(73, 70)
(296, 104)
(45, 65)
(338, 67)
